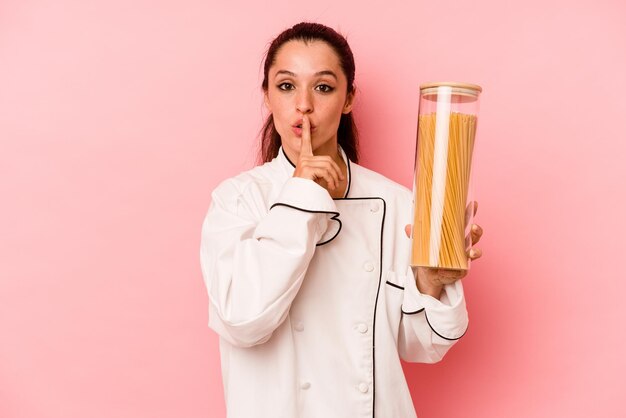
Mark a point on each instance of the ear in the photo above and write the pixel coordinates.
(266, 100)
(347, 108)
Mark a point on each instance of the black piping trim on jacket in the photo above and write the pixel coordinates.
(382, 228)
(431, 327)
(380, 279)
(445, 338)
(413, 312)
(335, 217)
(345, 196)
(395, 285)
(349, 177)
(285, 154)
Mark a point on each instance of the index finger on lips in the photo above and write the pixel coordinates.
(306, 149)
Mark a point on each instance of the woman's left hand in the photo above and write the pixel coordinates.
(430, 280)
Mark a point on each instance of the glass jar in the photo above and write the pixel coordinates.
(442, 189)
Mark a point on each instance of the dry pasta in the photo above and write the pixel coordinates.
(441, 185)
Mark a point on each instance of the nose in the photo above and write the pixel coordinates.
(304, 103)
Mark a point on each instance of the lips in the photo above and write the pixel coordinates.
(296, 127)
(298, 124)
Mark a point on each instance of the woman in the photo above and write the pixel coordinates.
(306, 259)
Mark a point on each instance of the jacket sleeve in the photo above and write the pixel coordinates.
(253, 261)
(430, 327)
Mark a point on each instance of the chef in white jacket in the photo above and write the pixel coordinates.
(306, 258)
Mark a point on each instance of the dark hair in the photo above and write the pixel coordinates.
(347, 135)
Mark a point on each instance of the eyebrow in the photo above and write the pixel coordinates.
(324, 72)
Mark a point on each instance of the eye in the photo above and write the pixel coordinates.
(285, 86)
(325, 88)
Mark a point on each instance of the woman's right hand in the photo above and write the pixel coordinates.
(319, 168)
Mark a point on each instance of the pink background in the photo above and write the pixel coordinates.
(118, 118)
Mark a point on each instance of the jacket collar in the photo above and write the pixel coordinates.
(290, 166)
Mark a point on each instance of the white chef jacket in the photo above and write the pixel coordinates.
(313, 297)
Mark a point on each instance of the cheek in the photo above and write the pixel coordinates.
(280, 121)
(281, 108)
(333, 116)
(278, 114)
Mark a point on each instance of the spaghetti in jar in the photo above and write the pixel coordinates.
(442, 188)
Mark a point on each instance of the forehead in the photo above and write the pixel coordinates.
(306, 58)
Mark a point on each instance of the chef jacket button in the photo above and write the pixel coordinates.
(299, 326)
(362, 328)
(364, 387)
(375, 206)
(305, 385)
(368, 267)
